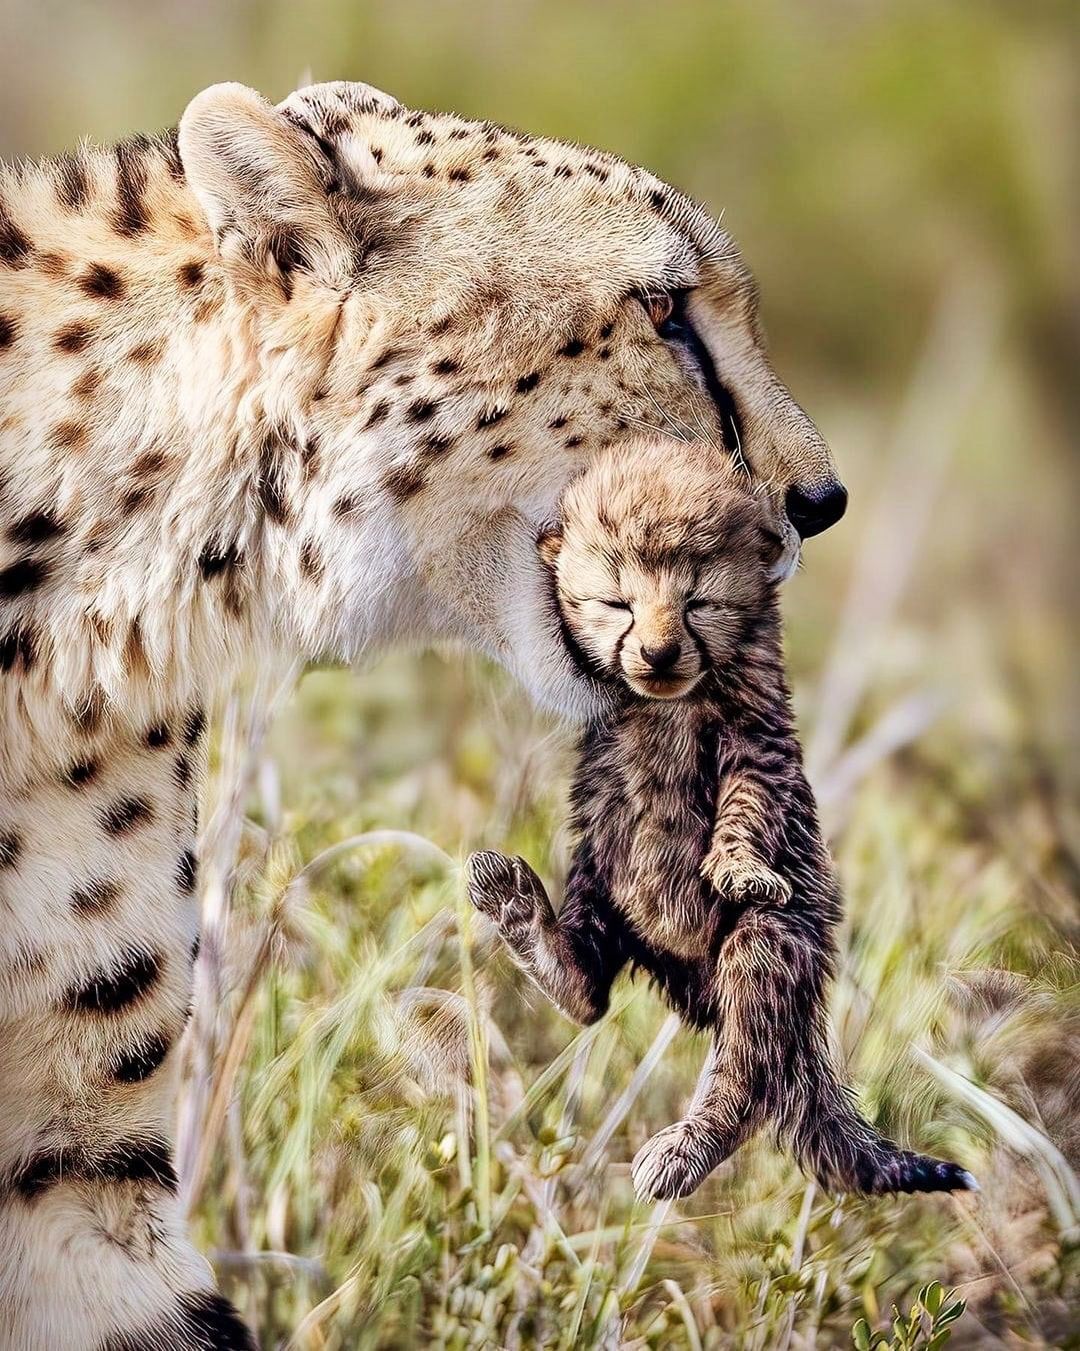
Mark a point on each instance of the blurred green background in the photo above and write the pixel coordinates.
(903, 178)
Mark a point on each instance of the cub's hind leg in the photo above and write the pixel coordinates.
(676, 1160)
(573, 957)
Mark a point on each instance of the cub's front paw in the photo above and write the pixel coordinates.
(741, 879)
(508, 892)
(675, 1161)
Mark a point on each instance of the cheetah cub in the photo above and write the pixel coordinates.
(698, 858)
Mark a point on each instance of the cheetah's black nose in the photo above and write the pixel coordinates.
(662, 659)
(813, 511)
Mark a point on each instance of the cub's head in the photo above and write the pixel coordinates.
(462, 316)
(660, 562)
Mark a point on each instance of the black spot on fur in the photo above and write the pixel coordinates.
(14, 245)
(216, 559)
(378, 414)
(96, 897)
(499, 452)
(9, 330)
(422, 410)
(10, 848)
(182, 771)
(460, 174)
(385, 357)
(187, 871)
(190, 274)
(135, 498)
(425, 138)
(608, 330)
(141, 1060)
(447, 366)
(158, 736)
(657, 197)
(26, 575)
(490, 418)
(130, 217)
(37, 528)
(572, 442)
(269, 486)
(72, 184)
(114, 990)
(73, 338)
(527, 383)
(573, 348)
(311, 564)
(436, 444)
(82, 773)
(558, 422)
(196, 948)
(17, 645)
(168, 146)
(403, 482)
(102, 282)
(126, 814)
(194, 726)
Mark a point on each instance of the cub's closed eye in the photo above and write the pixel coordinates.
(614, 604)
(702, 603)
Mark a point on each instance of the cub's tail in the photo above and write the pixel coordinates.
(846, 1154)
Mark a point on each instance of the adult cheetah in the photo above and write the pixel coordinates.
(299, 379)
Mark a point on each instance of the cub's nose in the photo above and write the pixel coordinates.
(662, 659)
(813, 511)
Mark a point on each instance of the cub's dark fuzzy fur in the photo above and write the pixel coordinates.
(699, 857)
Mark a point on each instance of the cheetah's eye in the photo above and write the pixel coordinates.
(659, 308)
(666, 311)
(614, 604)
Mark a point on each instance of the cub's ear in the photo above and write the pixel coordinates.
(262, 184)
(548, 544)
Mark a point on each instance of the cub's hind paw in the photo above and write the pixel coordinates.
(741, 880)
(675, 1161)
(507, 891)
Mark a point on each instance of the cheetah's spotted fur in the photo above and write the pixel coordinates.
(305, 380)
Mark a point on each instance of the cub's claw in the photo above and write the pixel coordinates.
(675, 1161)
(507, 891)
(741, 880)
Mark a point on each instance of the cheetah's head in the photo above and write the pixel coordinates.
(500, 307)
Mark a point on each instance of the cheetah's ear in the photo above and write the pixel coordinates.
(548, 544)
(263, 185)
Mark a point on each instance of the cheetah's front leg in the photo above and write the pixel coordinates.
(573, 957)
